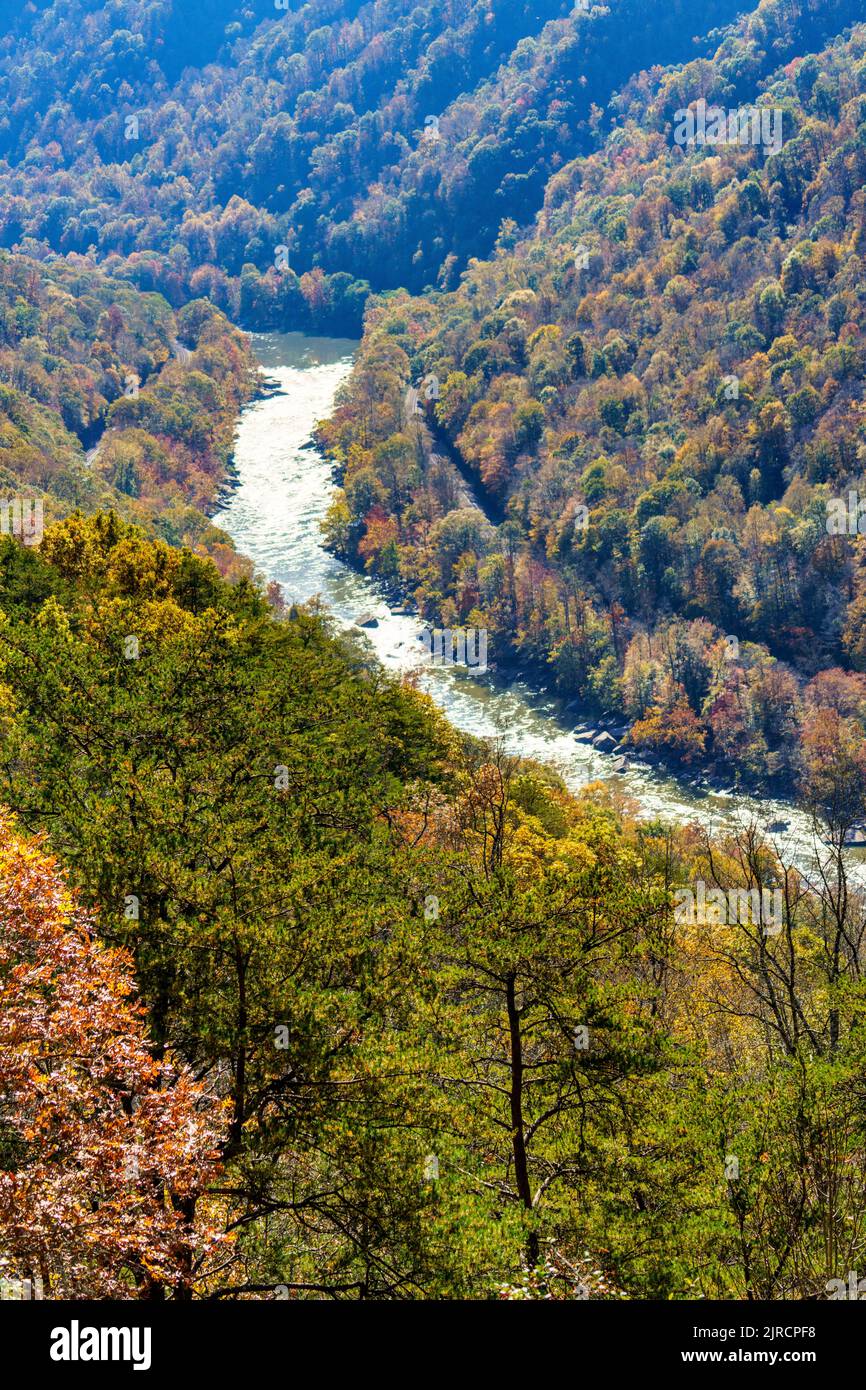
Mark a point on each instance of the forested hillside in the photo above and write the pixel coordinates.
(379, 142)
(347, 923)
(305, 994)
(108, 399)
(661, 386)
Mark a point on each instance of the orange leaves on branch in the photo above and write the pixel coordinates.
(676, 730)
(381, 531)
(834, 768)
(103, 1151)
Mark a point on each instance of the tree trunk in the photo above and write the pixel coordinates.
(518, 1145)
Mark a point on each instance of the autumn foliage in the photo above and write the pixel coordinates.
(656, 392)
(103, 1150)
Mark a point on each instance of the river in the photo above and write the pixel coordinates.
(273, 513)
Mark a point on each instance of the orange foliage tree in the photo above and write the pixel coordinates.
(676, 730)
(104, 1152)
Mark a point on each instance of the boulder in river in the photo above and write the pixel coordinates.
(367, 620)
(604, 742)
(620, 765)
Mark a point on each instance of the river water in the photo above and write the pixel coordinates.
(283, 489)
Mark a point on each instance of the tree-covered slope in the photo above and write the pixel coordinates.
(662, 385)
(382, 142)
(110, 399)
(303, 995)
(418, 1024)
